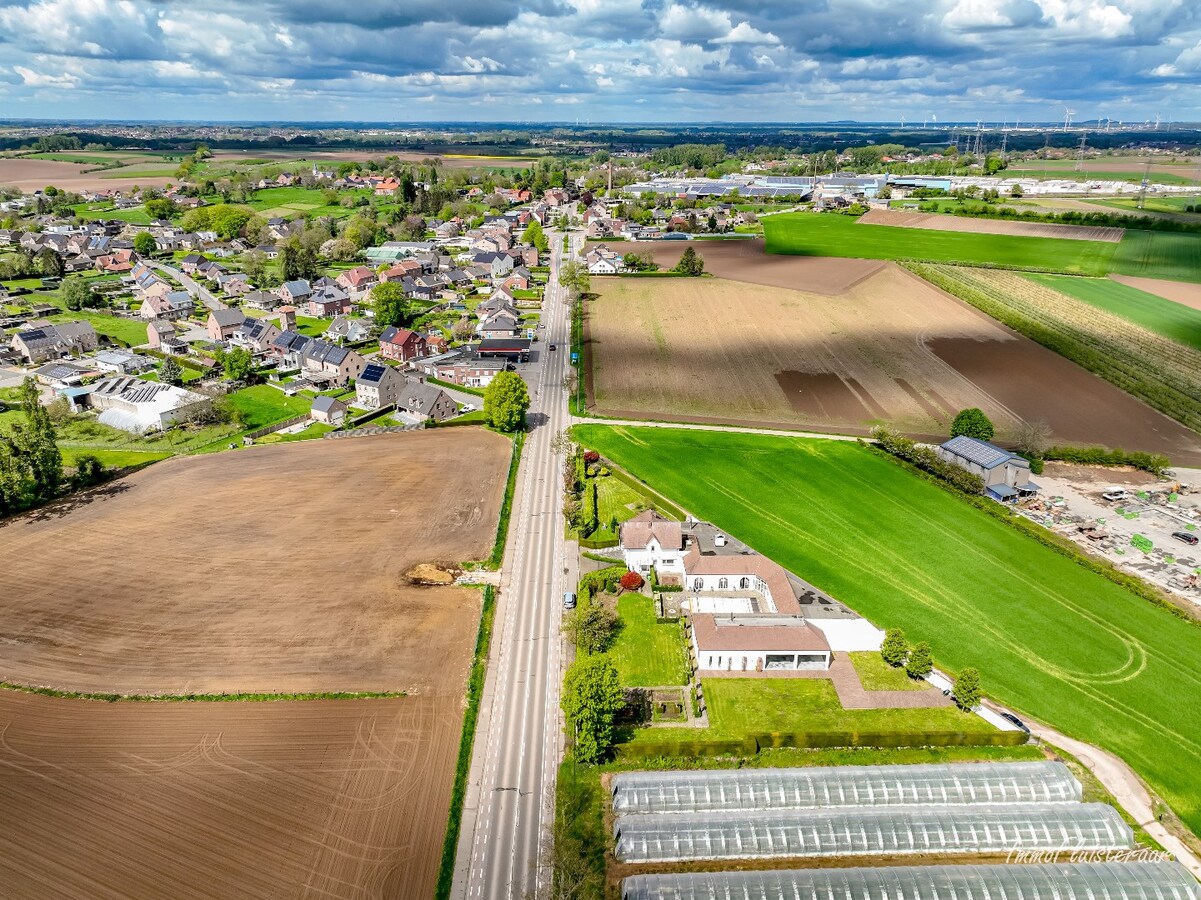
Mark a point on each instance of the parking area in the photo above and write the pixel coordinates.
(1144, 524)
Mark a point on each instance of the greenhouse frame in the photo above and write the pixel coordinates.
(1060, 881)
(943, 784)
(671, 837)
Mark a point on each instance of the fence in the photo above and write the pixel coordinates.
(278, 426)
(378, 429)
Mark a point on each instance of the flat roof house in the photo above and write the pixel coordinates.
(1006, 475)
(757, 643)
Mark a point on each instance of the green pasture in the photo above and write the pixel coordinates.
(1172, 320)
(262, 405)
(1159, 254)
(828, 234)
(1050, 637)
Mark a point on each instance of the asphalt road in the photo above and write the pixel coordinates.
(519, 740)
(199, 292)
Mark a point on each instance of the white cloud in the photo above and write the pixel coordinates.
(1087, 18)
(743, 33)
(43, 80)
(694, 23)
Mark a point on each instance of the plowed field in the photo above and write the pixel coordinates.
(274, 569)
(991, 226)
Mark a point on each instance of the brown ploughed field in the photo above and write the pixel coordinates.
(34, 174)
(892, 348)
(936, 222)
(275, 569)
(746, 260)
(1184, 292)
(322, 798)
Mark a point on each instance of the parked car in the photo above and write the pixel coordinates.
(1186, 537)
(1116, 494)
(568, 600)
(1014, 720)
(552, 346)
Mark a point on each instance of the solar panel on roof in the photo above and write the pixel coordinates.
(979, 452)
(373, 372)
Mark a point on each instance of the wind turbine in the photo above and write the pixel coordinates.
(1067, 117)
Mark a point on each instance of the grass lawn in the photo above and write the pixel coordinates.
(877, 675)
(84, 434)
(261, 404)
(829, 234)
(647, 653)
(135, 215)
(114, 459)
(743, 706)
(1172, 320)
(1050, 637)
(315, 430)
(310, 326)
(130, 332)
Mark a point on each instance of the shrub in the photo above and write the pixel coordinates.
(895, 648)
(927, 460)
(974, 424)
(1155, 463)
(631, 581)
(88, 471)
(921, 661)
(967, 689)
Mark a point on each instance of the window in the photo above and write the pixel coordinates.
(723, 583)
(744, 583)
(697, 584)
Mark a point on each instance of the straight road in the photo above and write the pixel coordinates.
(202, 294)
(519, 738)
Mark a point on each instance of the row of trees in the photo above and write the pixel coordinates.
(918, 662)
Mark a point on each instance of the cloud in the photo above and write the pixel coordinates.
(44, 80)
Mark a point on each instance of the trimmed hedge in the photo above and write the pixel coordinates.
(924, 458)
(597, 543)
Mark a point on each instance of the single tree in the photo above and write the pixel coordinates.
(144, 243)
(972, 423)
(506, 400)
(50, 263)
(254, 264)
(238, 363)
(160, 208)
(691, 263)
(170, 372)
(391, 305)
(535, 236)
(967, 689)
(592, 697)
(89, 470)
(590, 627)
(1016, 191)
(895, 648)
(1033, 439)
(35, 440)
(75, 292)
(573, 275)
(921, 661)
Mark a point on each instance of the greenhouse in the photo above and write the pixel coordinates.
(945, 784)
(1068, 881)
(855, 832)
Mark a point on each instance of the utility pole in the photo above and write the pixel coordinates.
(1080, 153)
(1142, 190)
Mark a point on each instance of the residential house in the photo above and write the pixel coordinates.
(295, 292)
(401, 344)
(122, 362)
(256, 335)
(378, 386)
(425, 401)
(499, 264)
(1006, 475)
(345, 330)
(329, 300)
(189, 263)
(161, 335)
(171, 306)
(501, 324)
(603, 261)
(234, 283)
(358, 280)
(61, 375)
(264, 300)
(461, 367)
(328, 411)
(517, 280)
(757, 643)
(398, 271)
(222, 323)
(318, 360)
(41, 340)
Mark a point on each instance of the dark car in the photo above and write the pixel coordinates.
(1014, 720)
(552, 346)
(1186, 537)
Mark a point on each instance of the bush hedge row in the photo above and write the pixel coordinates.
(1155, 463)
(927, 460)
(753, 743)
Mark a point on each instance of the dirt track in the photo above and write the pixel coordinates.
(334, 799)
(968, 224)
(747, 261)
(892, 349)
(274, 569)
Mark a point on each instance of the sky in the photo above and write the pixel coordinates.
(601, 60)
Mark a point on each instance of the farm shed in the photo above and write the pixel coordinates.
(820, 787)
(1064, 881)
(670, 837)
(1006, 475)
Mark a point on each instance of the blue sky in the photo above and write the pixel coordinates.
(601, 60)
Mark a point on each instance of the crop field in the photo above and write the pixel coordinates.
(273, 569)
(973, 225)
(27, 174)
(1182, 170)
(1171, 320)
(1187, 293)
(1050, 637)
(890, 349)
(328, 798)
(1157, 369)
(1159, 254)
(830, 234)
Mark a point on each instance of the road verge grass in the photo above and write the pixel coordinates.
(493, 562)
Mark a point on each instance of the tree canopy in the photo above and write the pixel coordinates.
(592, 697)
(391, 305)
(144, 243)
(973, 423)
(691, 263)
(506, 400)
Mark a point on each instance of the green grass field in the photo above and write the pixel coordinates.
(262, 405)
(877, 675)
(114, 459)
(743, 706)
(135, 215)
(1042, 171)
(647, 653)
(1172, 320)
(826, 234)
(1051, 638)
(1159, 254)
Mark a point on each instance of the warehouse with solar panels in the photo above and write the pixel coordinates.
(844, 786)
(1066, 881)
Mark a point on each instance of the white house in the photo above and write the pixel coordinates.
(650, 540)
(757, 643)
